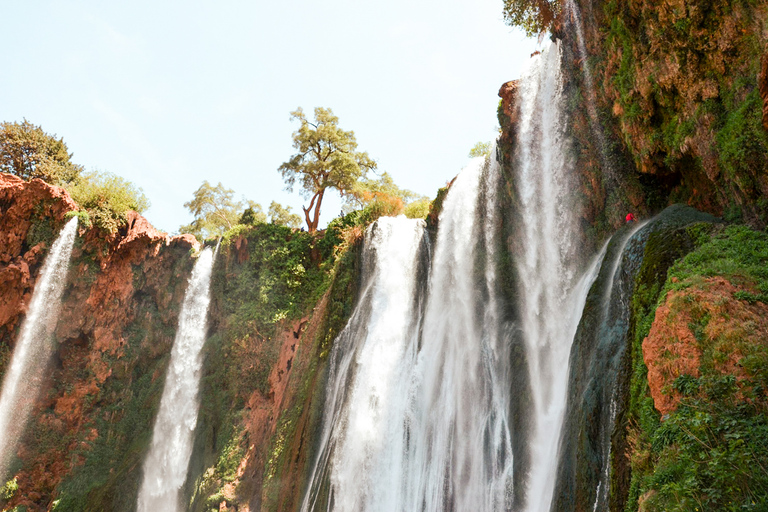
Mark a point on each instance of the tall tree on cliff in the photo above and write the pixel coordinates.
(28, 152)
(326, 158)
(533, 16)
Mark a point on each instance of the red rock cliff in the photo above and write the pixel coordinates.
(122, 297)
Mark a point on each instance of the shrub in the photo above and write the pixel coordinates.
(107, 198)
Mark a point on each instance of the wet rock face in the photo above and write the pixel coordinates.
(117, 321)
(508, 95)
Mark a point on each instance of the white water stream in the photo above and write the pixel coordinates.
(26, 370)
(416, 414)
(165, 468)
(551, 303)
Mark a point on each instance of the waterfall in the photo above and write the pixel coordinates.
(594, 120)
(553, 291)
(35, 345)
(547, 263)
(416, 412)
(422, 384)
(367, 401)
(165, 468)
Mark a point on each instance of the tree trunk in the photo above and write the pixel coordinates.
(314, 219)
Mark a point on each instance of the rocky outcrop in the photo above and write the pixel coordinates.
(508, 95)
(118, 314)
(707, 312)
(30, 212)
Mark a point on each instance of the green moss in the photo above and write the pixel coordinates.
(708, 454)
(743, 143)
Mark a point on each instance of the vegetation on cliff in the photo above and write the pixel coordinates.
(30, 153)
(707, 373)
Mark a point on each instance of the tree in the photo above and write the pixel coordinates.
(252, 215)
(533, 16)
(216, 211)
(282, 216)
(480, 149)
(28, 152)
(326, 158)
(385, 197)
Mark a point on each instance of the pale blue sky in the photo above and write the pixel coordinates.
(170, 93)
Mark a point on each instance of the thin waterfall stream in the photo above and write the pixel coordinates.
(33, 350)
(551, 296)
(165, 468)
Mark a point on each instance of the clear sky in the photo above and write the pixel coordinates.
(170, 93)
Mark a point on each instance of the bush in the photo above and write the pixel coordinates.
(417, 209)
(107, 198)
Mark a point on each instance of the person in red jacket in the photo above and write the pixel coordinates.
(631, 217)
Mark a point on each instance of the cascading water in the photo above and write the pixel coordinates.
(594, 120)
(416, 413)
(165, 468)
(551, 301)
(362, 448)
(34, 346)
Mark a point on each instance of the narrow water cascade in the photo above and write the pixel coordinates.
(594, 119)
(416, 413)
(606, 426)
(363, 444)
(165, 468)
(462, 457)
(33, 349)
(552, 296)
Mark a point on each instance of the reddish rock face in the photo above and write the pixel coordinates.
(727, 328)
(21, 203)
(100, 307)
(508, 95)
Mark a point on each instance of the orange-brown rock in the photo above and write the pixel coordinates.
(20, 203)
(108, 273)
(508, 95)
(729, 327)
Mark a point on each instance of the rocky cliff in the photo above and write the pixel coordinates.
(276, 306)
(675, 114)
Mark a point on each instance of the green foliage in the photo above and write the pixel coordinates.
(533, 16)
(738, 253)
(216, 211)
(279, 282)
(252, 216)
(743, 143)
(282, 216)
(28, 152)
(480, 149)
(107, 198)
(326, 157)
(9, 489)
(83, 218)
(418, 209)
(710, 453)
